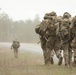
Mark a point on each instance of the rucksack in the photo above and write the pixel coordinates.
(16, 44)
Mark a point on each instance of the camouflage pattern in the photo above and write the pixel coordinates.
(41, 29)
(15, 46)
(43, 46)
(53, 41)
(66, 15)
(57, 32)
(73, 37)
(65, 37)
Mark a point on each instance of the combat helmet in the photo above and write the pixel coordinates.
(66, 15)
(53, 13)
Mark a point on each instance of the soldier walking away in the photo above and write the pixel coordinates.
(15, 45)
(48, 37)
(53, 41)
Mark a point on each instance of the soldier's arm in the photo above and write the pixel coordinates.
(37, 29)
(38, 42)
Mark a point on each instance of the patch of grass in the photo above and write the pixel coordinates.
(29, 63)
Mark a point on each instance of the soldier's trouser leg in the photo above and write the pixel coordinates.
(47, 56)
(43, 46)
(16, 53)
(49, 47)
(44, 55)
(59, 56)
(57, 49)
(66, 57)
(51, 57)
(70, 57)
(74, 57)
(66, 54)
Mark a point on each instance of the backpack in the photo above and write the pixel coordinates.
(16, 44)
(43, 26)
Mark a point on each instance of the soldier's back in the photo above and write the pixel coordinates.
(16, 44)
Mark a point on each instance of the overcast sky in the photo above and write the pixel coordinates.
(25, 9)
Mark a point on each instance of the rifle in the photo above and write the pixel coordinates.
(38, 42)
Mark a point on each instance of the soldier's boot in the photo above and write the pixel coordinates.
(66, 60)
(60, 61)
(52, 62)
(66, 63)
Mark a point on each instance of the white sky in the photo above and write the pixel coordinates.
(25, 9)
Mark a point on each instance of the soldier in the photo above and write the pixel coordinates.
(53, 40)
(65, 37)
(41, 30)
(15, 45)
(67, 22)
(73, 38)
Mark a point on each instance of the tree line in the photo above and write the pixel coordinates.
(24, 31)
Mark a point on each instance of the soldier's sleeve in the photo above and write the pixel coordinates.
(37, 29)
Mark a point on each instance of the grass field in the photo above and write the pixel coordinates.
(29, 63)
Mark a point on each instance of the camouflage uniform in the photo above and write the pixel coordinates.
(73, 37)
(53, 41)
(15, 46)
(65, 38)
(66, 15)
(40, 29)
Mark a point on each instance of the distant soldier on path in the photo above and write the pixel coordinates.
(15, 45)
